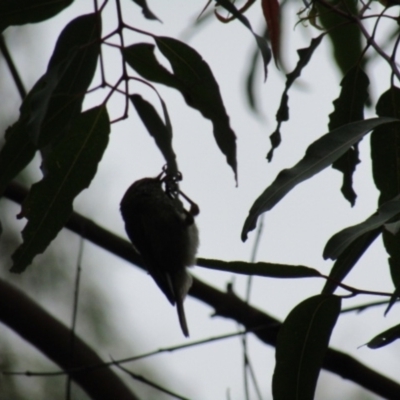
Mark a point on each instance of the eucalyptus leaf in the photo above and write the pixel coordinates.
(319, 155)
(301, 345)
(70, 168)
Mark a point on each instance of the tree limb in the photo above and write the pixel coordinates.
(53, 338)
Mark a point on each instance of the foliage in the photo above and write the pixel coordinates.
(71, 141)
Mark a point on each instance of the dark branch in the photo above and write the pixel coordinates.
(228, 305)
(52, 338)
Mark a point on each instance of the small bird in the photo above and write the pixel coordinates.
(165, 235)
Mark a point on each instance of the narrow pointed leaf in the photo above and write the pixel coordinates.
(261, 42)
(193, 78)
(346, 38)
(348, 259)
(271, 11)
(78, 46)
(319, 155)
(17, 152)
(301, 345)
(385, 155)
(271, 270)
(349, 107)
(158, 129)
(385, 338)
(283, 111)
(70, 168)
(56, 99)
(341, 240)
(146, 10)
(393, 299)
(20, 12)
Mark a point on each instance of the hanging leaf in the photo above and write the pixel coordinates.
(346, 38)
(301, 345)
(385, 155)
(160, 131)
(146, 10)
(385, 338)
(261, 42)
(349, 107)
(21, 12)
(56, 99)
(193, 78)
(343, 239)
(283, 111)
(70, 168)
(271, 13)
(319, 155)
(17, 152)
(348, 259)
(270, 270)
(78, 46)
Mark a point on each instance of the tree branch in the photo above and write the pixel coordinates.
(227, 305)
(52, 338)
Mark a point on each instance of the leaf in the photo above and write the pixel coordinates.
(261, 42)
(283, 111)
(271, 270)
(393, 299)
(348, 259)
(20, 12)
(17, 152)
(146, 10)
(346, 38)
(385, 155)
(319, 155)
(301, 345)
(349, 107)
(160, 131)
(385, 338)
(193, 78)
(56, 99)
(78, 46)
(70, 168)
(271, 13)
(343, 239)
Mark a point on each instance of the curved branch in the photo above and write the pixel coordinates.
(53, 338)
(228, 305)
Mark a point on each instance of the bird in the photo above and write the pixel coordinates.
(164, 233)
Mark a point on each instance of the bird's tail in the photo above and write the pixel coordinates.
(182, 317)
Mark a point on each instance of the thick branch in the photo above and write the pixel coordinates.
(52, 338)
(228, 305)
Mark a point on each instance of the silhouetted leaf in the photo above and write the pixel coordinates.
(56, 99)
(271, 270)
(301, 345)
(160, 131)
(319, 155)
(17, 152)
(341, 240)
(348, 259)
(261, 42)
(70, 168)
(385, 155)
(393, 299)
(385, 338)
(346, 38)
(271, 13)
(193, 78)
(146, 10)
(20, 12)
(349, 107)
(283, 111)
(78, 46)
